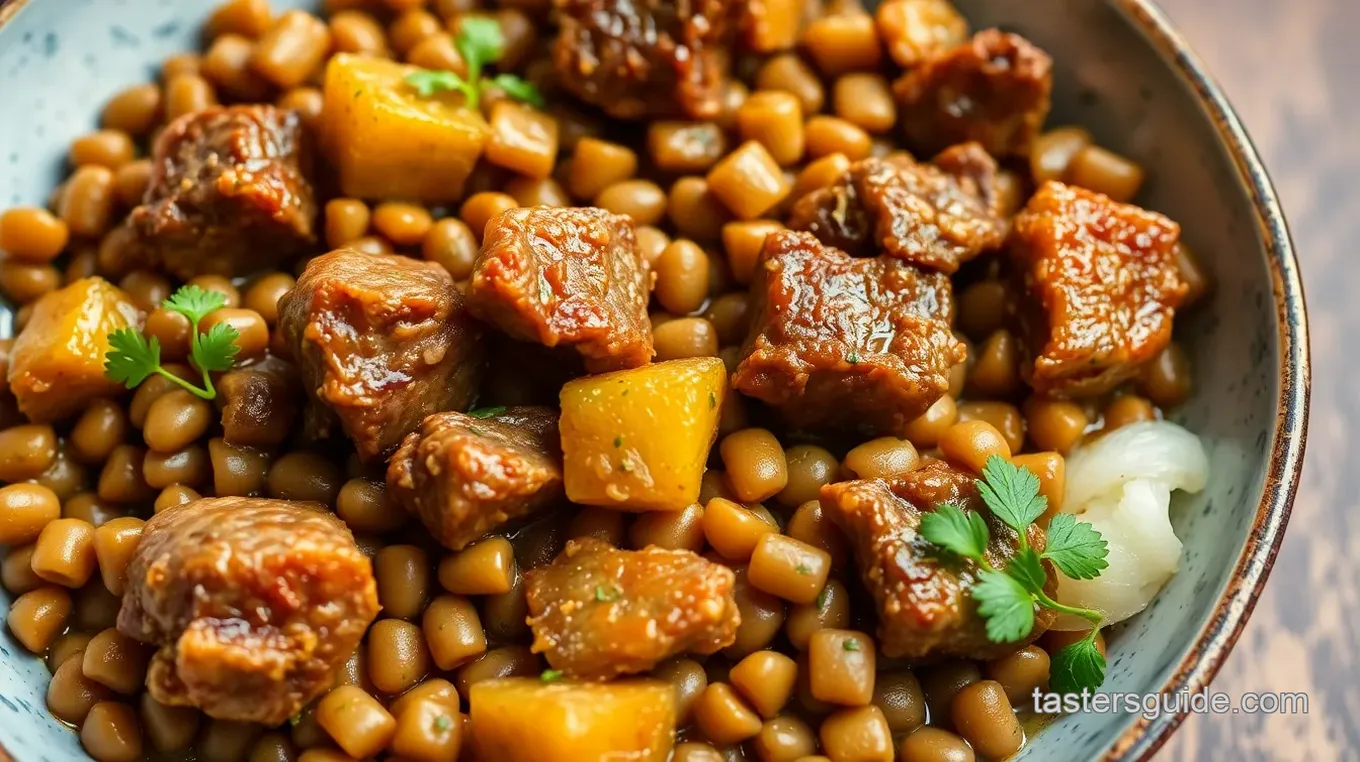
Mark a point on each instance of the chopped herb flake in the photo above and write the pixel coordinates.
(822, 597)
(712, 400)
(852, 358)
(606, 594)
(850, 645)
(479, 41)
(551, 675)
(803, 569)
(618, 441)
(486, 412)
(442, 723)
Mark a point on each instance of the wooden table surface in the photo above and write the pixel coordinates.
(1292, 70)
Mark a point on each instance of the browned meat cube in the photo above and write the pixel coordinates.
(1102, 286)
(916, 212)
(995, 89)
(598, 612)
(465, 476)
(636, 58)
(844, 342)
(559, 275)
(259, 403)
(383, 341)
(229, 193)
(925, 607)
(254, 604)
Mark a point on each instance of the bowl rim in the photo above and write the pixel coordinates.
(1142, 739)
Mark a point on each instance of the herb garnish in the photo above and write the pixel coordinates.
(803, 569)
(1007, 597)
(486, 412)
(849, 645)
(132, 357)
(443, 724)
(480, 42)
(606, 594)
(551, 675)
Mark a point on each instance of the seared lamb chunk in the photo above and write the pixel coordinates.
(466, 476)
(995, 89)
(916, 212)
(229, 193)
(636, 58)
(383, 341)
(254, 604)
(598, 612)
(259, 403)
(844, 342)
(924, 600)
(1102, 287)
(567, 275)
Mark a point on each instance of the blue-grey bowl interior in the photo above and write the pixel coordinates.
(61, 59)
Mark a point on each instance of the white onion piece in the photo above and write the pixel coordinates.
(1122, 485)
(1153, 450)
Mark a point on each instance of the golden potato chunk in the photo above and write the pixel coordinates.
(613, 455)
(387, 141)
(57, 365)
(527, 719)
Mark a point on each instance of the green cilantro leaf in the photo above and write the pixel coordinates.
(1007, 597)
(1006, 605)
(803, 569)
(1012, 493)
(481, 42)
(618, 441)
(953, 529)
(1028, 570)
(551, 675)
(520, 89)
(216, 349)
(712, 400)
(194, 302)
(427, 82)
(1077, 666)
(486, 412)
(1076, 548)
(295, 719)
(443, 724)
(822, 598)
(606, 594)
(850, 645)
(131, 358)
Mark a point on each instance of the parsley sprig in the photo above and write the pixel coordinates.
(1007, 597)
(132, 357)
(480, 42)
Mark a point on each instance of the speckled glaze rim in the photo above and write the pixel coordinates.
(1218, 635)
(1144, 737)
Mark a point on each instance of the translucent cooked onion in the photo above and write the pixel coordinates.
(1122, 485)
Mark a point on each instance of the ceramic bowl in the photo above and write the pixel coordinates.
(1120, 70)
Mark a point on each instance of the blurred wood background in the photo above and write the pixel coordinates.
(1292, 70)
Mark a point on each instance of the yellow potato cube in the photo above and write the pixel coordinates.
(57, 363)
(524, 719)
(386, 141)
(638, 439)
